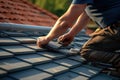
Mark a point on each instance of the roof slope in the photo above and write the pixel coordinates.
(21, 59)
(23, 12)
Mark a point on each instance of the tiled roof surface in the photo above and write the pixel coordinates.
(21, 59)
(23, 12)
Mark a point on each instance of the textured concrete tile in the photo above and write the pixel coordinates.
(8, 41)
(15, 34)
(68, 63)
(5, 54)
(13, 64)
(24, 39)
(34, 46)
(52, 55)
(34, 58)
(18, 49)
(103, 77)
(70, 76)
(77, 58)
(2, 73)
(31, 74)
(85, 71)
(52, 68)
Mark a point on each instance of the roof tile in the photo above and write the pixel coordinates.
(13, 64)
(70, 76)
(24, 39)
(31, 74)
(5, 54)
(34, 58)
(8, 41)
(52, 55)
(68, 63)
(18, 49)
(88, 72)
(52, 68)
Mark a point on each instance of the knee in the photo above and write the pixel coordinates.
(85, 53)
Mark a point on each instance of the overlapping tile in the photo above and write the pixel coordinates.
(18, 49)
(33, 46)
(88, 72)
(52, 68)
(8, 41)
(31, 74)
(24, 39)
(34, 58)
(52, 55)
(68, 63)
(5, 54)
(70, 76)
(13, 64)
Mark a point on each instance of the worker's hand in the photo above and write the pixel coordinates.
(65, 39)
(41, 41)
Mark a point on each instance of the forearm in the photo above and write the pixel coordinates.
(79, 25)
(65, 21)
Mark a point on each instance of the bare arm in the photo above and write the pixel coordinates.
(81, 22)
(79, 25)
(65, 21)
(62, 24)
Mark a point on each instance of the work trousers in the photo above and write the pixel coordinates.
(103, 46)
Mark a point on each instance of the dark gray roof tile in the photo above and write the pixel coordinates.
(31, 74)
(8, 41)
(82, 70)
(18, 49)
(68, 63)
(5, 54)
(34, 46)
(15, 34)
(2, 73)
(52, 55)
(70, 76)
(13, 64)
(52, 68)
(77, 58)
(34, 58)
(24, 39)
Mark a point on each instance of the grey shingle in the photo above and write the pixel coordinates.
(77, 58)
(5, 54)
(52, 55)
(15, 34)
(52, 68)
(70, 76)
(85, 71)
(12, 64)
(68, 63)
(30, 74)
(24, 39)
(8, 41)
(18, 49)
(34, 58)
(2, 72)
(34, 46)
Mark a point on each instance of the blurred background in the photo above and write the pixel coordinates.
(59, 7)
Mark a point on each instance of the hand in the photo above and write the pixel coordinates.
(65, 39)
(41, 41)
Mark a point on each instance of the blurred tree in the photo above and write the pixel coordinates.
(57, 7)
